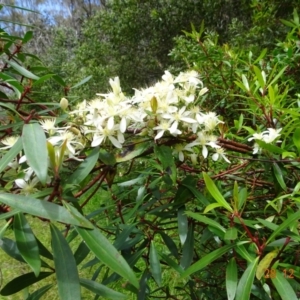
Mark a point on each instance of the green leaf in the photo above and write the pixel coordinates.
(215, 192)
(231, 279)
(211, 207)
(10, 248)
(107, 158)
(143, 285)
(17, 87)
(40, 292)
(244, 287)
(269, 147)
(81, 252)
(278, 76)
(231, 234)
(291, 219)
(39, 208)
(205, 220)
(27, 37)
(101, 290)
(35, 148)
(43, 79)
(65, 267)
(283, 287)
(155, 264)
(188, 249)
(206, 260)
(83, 81)
(9, 214)
(296, 138)
(169, 242)
(182, 224)
(279, 176)
(27, 243)
(84, 168)
(131, 151)
(259, 76)
(11, 154)
(165, 156)
(107, 253)
(78, 216)
(22, 282)
(22, 71)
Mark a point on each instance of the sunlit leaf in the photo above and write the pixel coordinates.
(215, 192)
(21, 70)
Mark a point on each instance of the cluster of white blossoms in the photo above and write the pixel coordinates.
(167, 109)
(268, 136)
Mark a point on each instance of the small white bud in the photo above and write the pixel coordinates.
(64, 103)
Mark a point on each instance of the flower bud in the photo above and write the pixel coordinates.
(64, 103)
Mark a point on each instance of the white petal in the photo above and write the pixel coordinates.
(204, 151)
(123, 125)
(115, 142)
(22, 159)
(21, 183)
(159, 135)
(215, 156)
(97, 140)
(110, 123)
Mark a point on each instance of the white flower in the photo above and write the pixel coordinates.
(165, 126)
(209, 120)
(271, 134)
(9, 141)
(68, 136)
(220, 152)
(102, 134)
(49, 125)
(204, 140)
(27, 187)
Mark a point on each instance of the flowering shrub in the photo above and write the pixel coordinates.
(179, 191)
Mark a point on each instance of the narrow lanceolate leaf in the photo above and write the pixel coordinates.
(38, 294)
(244, 287)
(205, 220)
(291, 219)
(27, 243)
(101, 290)
(11, 154)
(107, 253)
(155, 264)
(279, 176)
(65, 267)
(283, 287)
(85, 167)
(215, 192)
(43, 209)
(35, 148)
(231, 279)
(206, 260)
(21, 70)
(182, 224)
(265, 263)
(78, 216)
(188, 249)
(22, 282)
(296, 138)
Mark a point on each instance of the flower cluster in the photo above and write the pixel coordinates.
(167, 109)
(268, 136)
